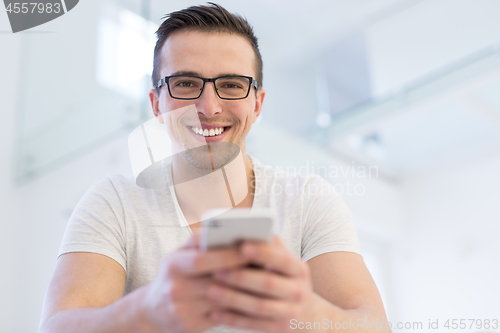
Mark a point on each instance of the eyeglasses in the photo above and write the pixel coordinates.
(191, 87)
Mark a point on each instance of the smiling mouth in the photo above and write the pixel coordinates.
(209, 132)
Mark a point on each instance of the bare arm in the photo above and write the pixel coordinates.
(85, 295)
(346, 292)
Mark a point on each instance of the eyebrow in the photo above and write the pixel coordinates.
(198, 74)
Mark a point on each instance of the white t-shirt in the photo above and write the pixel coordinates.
(137, 227)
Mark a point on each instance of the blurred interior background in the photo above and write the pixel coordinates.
(406, 90)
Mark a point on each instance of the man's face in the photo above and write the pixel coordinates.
(207, 55)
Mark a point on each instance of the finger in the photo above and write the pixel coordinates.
(186, 289)
(261, 282)
(234, 319)
(273, 257)
(250, 304)
(190, 309)
(191, 262)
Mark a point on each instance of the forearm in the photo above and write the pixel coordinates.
(328, 316)
(121, 316)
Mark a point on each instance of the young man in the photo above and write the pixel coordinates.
(123, 239)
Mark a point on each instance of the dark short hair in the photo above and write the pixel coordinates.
(210, 18)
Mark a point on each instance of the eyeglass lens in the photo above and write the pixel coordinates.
(190, 87)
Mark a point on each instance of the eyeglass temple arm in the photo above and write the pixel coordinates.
(160, 83)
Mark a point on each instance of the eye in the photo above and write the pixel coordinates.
(185, 84)
(231, 85)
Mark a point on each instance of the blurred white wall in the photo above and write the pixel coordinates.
(448, 264)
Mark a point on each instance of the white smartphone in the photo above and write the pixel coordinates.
(236, 225)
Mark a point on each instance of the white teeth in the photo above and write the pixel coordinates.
(207, 132)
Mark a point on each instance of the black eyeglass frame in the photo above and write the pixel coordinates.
(165, 80)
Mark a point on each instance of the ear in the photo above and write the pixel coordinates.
(155, 104)
(261, 93)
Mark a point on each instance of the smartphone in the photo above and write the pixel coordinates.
(236, 225)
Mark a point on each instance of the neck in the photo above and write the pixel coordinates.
(199, 190)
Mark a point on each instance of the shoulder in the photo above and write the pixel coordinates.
(114, 189)
(118, 195)
(112, 184)
(121, 182)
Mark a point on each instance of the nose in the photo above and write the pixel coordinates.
(209, 103)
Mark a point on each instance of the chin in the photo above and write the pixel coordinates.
(217, 156)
